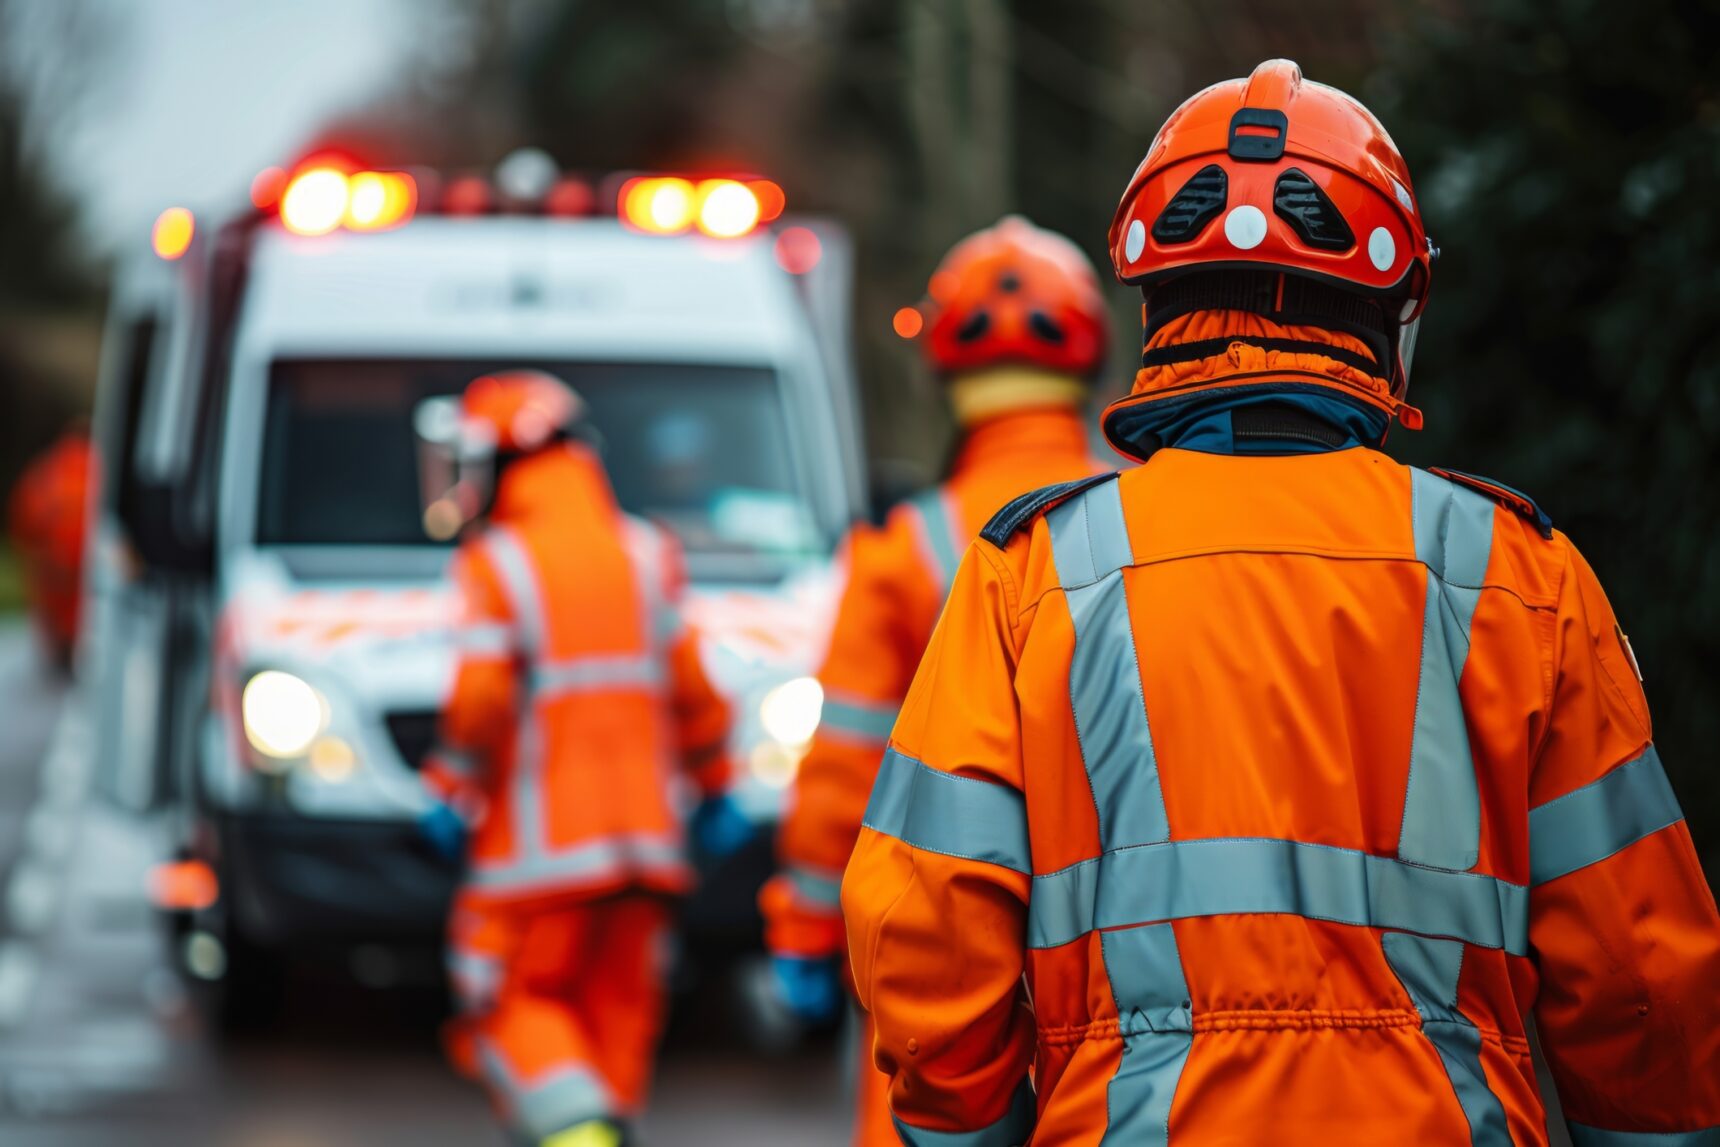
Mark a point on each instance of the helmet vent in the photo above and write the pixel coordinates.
(975, 327)
(1298, 201)
(1045, 327)
(1193, 207)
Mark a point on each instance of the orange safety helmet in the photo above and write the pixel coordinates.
(1016, 294)
(520, 410)
(462, 440)
(1279, 173)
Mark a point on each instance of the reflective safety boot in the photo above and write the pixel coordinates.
(591, 1133)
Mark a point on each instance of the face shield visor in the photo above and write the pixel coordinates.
(1406, 348)
(1409, 328)
(456, 466)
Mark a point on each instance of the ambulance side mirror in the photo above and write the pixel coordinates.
(154, 522)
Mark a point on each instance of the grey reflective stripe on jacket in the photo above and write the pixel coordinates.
(1442, 804)
(507, 553)
(596, 672)
(645, 544)
(1184, 879)
(484, 639)
(956, 816)
(1090, 547)
(856, 718)
(514, 565)
(1442, 809)
(815, 888)
(938, 531)
(1428, 968)
(1607, 816)
(591, 861)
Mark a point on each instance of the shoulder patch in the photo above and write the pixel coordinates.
(1516, 501)
(1017, 514)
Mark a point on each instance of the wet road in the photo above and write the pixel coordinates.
(100, 1044)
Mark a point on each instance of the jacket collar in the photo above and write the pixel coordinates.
(1046, 430)
(1234, 360)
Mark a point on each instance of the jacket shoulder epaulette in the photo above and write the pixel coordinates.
(1019, 513)
(1514, 500)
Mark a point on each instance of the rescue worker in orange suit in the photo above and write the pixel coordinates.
(1262, 792)
(577, 691)
(47, 518)
(1017, 332)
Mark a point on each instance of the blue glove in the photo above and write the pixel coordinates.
(807, 986)
(444, 830)
(720, 828)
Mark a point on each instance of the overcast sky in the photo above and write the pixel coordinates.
(193, 97)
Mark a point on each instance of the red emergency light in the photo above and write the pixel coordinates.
(798, 250)
(570, 197)
(467, 195)
(722, 208)
(267, 187)
(323, 196)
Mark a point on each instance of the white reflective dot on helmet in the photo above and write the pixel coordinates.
(1382, 249)
(1245, 227)
(1135, 241)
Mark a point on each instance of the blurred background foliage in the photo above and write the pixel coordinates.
(49, 286)
(1567, 153)
(1568, 157)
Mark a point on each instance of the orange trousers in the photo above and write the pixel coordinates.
(561, 1004)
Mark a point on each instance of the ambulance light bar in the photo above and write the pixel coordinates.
(328, 193)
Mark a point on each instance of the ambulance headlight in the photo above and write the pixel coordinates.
(282, 713)
(789, 713)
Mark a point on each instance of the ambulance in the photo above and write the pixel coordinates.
(273, 617)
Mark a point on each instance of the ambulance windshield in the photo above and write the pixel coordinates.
(701, 449)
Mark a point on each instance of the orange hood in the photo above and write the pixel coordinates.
(1238, 358)
(567, 481)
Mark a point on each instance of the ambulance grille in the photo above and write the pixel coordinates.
(413, 732)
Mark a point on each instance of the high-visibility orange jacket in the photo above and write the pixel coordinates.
(47, 518)
(577, 693)
(1294, 784)
(897, 576)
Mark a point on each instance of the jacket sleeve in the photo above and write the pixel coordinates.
(866, 671)
(1622, 923)
(936, 893)
(481, 707)
(702, 715)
